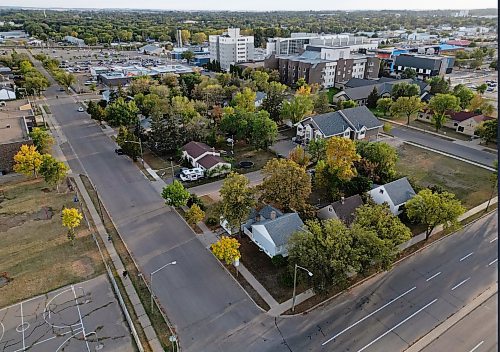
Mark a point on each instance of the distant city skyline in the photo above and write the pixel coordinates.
(258, 5)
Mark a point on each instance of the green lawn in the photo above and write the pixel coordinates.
(471, 184)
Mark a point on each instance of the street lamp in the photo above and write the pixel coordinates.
(295, 282)
(140, 147)
(151, 280)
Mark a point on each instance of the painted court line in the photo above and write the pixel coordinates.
(433, 276)
(467, 256)
(49, 338)
(460, 283)
(492, 262)
(369, 315)
(81, 320)
(22, 326)
(493, 240)
(398, 325)
(477, 346)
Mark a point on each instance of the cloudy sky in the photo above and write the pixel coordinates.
(260, 5)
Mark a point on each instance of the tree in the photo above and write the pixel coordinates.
(341, 156)
(373, 97)
(194, 215)
(407, 106)
(479, 104)
(384, 105)
(175, 194)
(297, 108)
(326, 249)
(66, 79)
(286, 184)
(494, 65)
(237, 199)
(166, 134)
(487, 130)
(273, 101)
(129, 142)
(404, 89)
(317, 149)
(141, 85)
(299, 155)
(383, 155)
(27, 160)
(263, 131)
(185, 35)
(187, 55)
(321, 103)
(261, 79)
(226, 249)
(71, 218)
(408, 73)
(387, 128)
(482, 88)
(432, 209)
(370, 249)
(464, 94)
(346, 104)
(245, 100)
(121, 113)
(53, 171)
(35, 82)
(198, 38)
(41, 139)
(439, 85)
(95, 111)
(441, 105)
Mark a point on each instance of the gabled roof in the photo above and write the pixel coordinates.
(346, 210)
(360, 82)
(209, 161)
(423, 62)
(400, 191)
(260, 96)
(482, 118)
(282, 228)
(383, 85)
(360, 116)
(196, 149)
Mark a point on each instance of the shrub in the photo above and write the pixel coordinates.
(279, 261)
(212, 221)
(194, 199)
(286, 279)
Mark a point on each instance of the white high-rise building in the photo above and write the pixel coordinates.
(230, 48)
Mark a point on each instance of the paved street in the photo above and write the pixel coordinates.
(392, 310)
(444, 145)
(477, 331)
(213, 188)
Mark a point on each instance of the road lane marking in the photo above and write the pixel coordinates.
(460, 283)
(493, 240)
(398, 325)
(493, 262)
(477, 346)
(467, 256)
(369, 315)
(433, 276)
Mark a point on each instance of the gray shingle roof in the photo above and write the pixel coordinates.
(400, 191)
(360, 82)
(345, 211)
(428, 63)
(361, 116)
(384, 85)
(330, 124)
(282, 228)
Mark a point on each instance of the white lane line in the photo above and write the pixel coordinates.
(369, 315)
(493, 262)
(460, 283)
(467, 256)
(477, 346)
(22, 325)
(398, 325)
(81, 320)
(433, 276)
(493, 240)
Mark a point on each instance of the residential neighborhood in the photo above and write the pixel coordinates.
(248, 177)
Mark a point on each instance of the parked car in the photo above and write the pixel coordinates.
(119, 151)
(80, 109)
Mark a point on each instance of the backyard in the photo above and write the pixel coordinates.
(35, 254)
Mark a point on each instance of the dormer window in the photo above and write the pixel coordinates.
(381, 191)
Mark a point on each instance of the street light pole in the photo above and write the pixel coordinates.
(151, 280)
(140, 148)
(295, 283)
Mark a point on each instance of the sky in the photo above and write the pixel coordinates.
(259, 5)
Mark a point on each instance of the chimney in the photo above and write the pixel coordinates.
(273, 215)
(342, 199)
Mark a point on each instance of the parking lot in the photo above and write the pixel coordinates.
(80, 317)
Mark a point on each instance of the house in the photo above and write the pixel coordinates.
(201, 155)
(344, 209)
(7, 94)
(14, 132)
(395, 193)
(464, 122)
(270, 229)
(259, 98)
(354, 123)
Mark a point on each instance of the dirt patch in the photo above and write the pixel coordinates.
(83, 267)
(8, 221)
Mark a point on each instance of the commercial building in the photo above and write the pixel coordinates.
(122, 75)
(73, 40)
(426, 66)
(231, 48)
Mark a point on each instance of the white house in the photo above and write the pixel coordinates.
(201, 155)
(7, 94)
(395, 193)
(259, 98)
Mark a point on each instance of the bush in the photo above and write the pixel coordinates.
(194, 199)
(212, 221)
(286, 279)
(279, 261)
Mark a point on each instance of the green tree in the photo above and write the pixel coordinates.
(52, 171)
(317, 149)
(373, 97)
(187, 55)
(261, 79)
(128, 142)
(96, 111)
(321, 103)
(297, 108)
(464, 94)
(175, 194)
(433, 209)
(439, 85)
(404, 89)
(273, 101)
(66, 79)
(299, 156)
(384, 105)
(263, 130)
(237, 200)
(121, 113)
(407, 106)
(199, 38)
(286, 184)
(382, 155)
(482, 88)
(488, 130)
(408, 73)
(42, 140)
(481, 105)
(346, 104)
(441, 105)
(245, 100)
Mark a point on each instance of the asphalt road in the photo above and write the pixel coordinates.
(444, 145)
(392, 310)
(201, 300)
(477, 331)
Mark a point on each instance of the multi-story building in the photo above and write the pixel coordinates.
(73, 40)
(426, 66)
(230, 48)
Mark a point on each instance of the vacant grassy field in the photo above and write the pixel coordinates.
(34, 250)
(471, 184)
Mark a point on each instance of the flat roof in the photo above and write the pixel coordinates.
(17, 130)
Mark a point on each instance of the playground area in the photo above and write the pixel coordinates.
(83, 317)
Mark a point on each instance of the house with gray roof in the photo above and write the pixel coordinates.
(344, 209)
(269, 229)
(395, 194)
(354, 123)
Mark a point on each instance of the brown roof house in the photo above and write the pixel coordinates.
(344, 209)
(464, 122)
(205, 157)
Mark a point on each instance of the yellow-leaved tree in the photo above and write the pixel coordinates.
(27, 160)
(226, 249)
(194, 214)
(71, 218)
(340, 157)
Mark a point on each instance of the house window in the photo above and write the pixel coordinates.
(455, 124)
(346, 133)
(361, 134)
(460, 128)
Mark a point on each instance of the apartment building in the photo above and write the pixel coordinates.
(231, 48)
